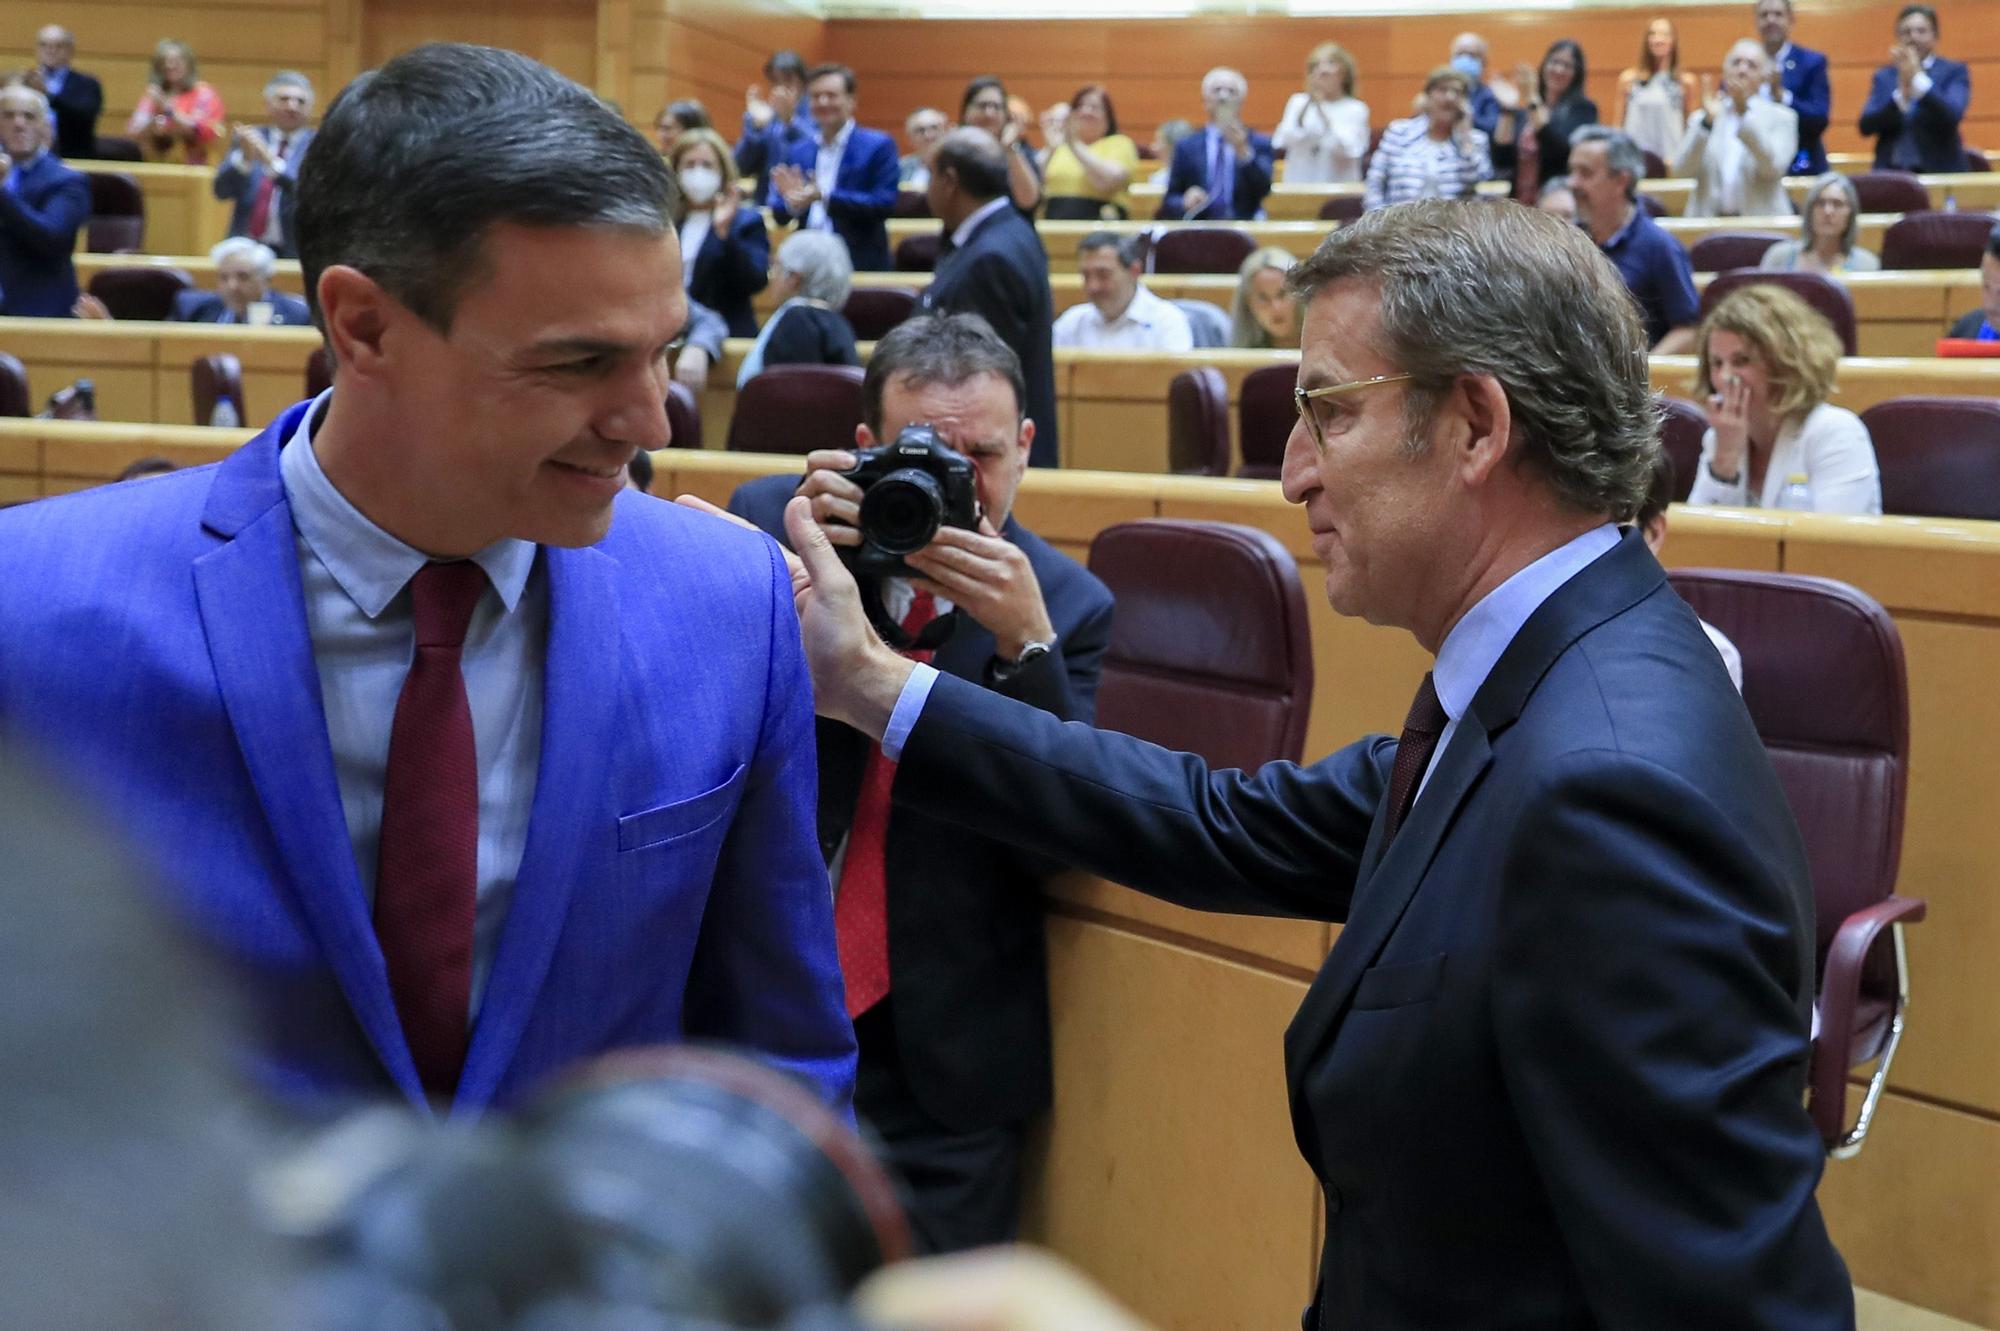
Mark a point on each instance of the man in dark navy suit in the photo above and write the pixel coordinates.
(75, 97)
(1551, 1074)
(1223, 173)
(1917, 100)
(43, 204)
(844, 181)
(1798, 80)
(955, 1051)
(992, 264)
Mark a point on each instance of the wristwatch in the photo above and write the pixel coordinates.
(1000, 669)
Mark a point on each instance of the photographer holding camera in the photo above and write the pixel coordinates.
(940, 930)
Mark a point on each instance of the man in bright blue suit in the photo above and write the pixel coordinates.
(1798, 80)
(1917, 100)
(843, 181)
(1223, 173)
(466, 778)
(43, 204)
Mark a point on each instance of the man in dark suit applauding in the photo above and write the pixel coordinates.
(1917, 100)
(994, 265)
(75, 97)
(1798, 80)
(844, 181)
(1223, 173)
(260, 176)
(953, 1023)
(43, 204)
(1551, 1073)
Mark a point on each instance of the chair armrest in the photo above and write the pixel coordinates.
(1840, 991)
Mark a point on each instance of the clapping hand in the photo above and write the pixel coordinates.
(723, 212)
(1193, 201)
(1908, 65)
(89, 307)
(760, 111)
(1055, 124)
(795, 187)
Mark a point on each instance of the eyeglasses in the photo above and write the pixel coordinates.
(1302, 399)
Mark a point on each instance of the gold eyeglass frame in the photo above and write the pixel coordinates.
(1301, 396)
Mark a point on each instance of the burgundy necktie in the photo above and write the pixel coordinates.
(260, 207)
(861, 906)
(1426, 721)
(428, 867)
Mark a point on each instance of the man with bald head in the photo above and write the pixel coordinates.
(75, 97)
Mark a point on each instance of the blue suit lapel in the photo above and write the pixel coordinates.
(567, 824)
(253, 613)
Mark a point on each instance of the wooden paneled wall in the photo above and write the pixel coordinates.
(710, 50)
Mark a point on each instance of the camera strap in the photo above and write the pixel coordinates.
(929, 638)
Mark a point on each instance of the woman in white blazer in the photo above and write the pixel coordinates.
(1738, 146)
(1324, 131)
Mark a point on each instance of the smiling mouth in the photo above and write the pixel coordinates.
(611, 472)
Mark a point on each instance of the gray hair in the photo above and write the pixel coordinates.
(945, 349)
(1621, 153)
(820, 261)
(417, 160)
(291, 78)
(18, 84)
(259, 254)
(1763, 56)
(1130, 245)
(1832, 180)
(1242, 84)
(1572, 360)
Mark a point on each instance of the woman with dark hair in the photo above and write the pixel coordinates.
(984, 106)
(1088, 166)
(1656, 93)
(1556, 109)
(677, 118)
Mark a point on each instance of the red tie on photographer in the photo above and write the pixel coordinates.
(861, 905)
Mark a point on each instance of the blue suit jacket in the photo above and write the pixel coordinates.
(1935, 117)
(1804, 77)
(1190, 168)
(730, 269)
(206, 307)
(153, 641)
(1551, 1073)
(38, 226)
(237, 182)
(864, 194)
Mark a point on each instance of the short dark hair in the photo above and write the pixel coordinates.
(1993, 241)
(689, 114)
(975, 159)
(1926, 10)
(818, 72)
(1129, 244)
(417, 160)
(939, 349)
(785, 64)
(983, 83)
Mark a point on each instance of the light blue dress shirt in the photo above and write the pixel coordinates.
(363, 640)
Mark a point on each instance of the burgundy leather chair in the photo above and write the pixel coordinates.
(1824, 294)
(1656, 165)
(1824, 681)
(1210, 652)
(1198, 423)
(141, 291)
(919, 253)
(1200, 249)
(117, 222)
(911, 203)
(1940, 456)
(873, 311)
(1341, 208)
(1937, 240)
(1976, 160)
(1680, 434)
(683, 416)
(14, 398)
(213, 379)
(116, 148)
(1890, 192)
(796, 409)
(1722, 250)
(1265, 415)
(319, 372)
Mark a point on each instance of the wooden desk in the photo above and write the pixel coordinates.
(285, 276)
(142, 370)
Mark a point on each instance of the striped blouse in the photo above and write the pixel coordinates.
(1409, 164)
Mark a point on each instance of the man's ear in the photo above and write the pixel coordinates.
(356, 312)
(1026, 442)
(864, 437)
(1489, 422)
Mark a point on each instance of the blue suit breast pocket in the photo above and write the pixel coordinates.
(682, 818)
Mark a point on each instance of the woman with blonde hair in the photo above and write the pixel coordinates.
(1765, 360)
(725, 250)
(179, 118)
(1262, 313)
(1657, 96)
(1324, 131)
(1831, 220)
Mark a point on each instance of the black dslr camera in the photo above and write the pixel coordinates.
(909, 489)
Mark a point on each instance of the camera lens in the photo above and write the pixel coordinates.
(903, 511)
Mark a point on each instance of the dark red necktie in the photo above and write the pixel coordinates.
(861, 906)
(1426, 721)
(260, 207)
(428, 868)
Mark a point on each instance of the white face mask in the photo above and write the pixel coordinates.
(701, 184)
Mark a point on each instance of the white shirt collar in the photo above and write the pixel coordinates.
(839, 144)
(985, 210)
(1143, 312)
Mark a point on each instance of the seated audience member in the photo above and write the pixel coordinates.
(1088, 166)
(1765, 361)
(776, 120)
(179, 117)
(1983, 324)
(811, 277)
(1119, 312)
(1324, 131)
(1166, 136)
(1557, 197)
(43, 204)
(922, 128)
(1739, 146)
(1436, 154)
(261, 172)
(1605, 167)
(844, 179)
(1261, 314)
(1651, 520)
(1831, 220)
(725, 250)
(76, 98)
(145, 467)
(1917, 100)
(1798, 79)
(677, 118)
(1492, 101)
(242, 284)
(1656, 93)
(1222, 173)
(985, 106)
(639, 472)
(1557, 108)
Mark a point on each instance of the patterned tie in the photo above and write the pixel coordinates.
(861, 906)
(1426, 721)
(428, 867)
(267, 186)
